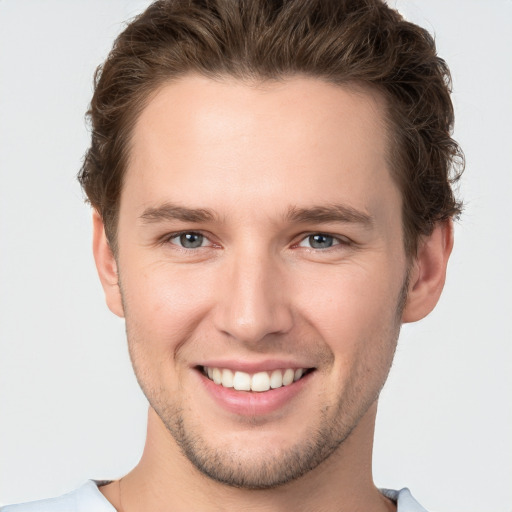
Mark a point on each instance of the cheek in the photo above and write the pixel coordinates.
(164, 303)
(333, 295)
(353, 310)
(163, 309)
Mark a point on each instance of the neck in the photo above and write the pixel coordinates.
(165, 480)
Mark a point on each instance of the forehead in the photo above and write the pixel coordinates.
(299, 140)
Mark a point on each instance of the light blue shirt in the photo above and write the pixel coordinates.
(88, 498)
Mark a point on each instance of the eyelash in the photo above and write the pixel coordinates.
(168, 240)
(338, 240)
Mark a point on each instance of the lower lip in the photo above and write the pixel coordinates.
(250, 403)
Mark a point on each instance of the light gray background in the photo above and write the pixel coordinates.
(70, 408)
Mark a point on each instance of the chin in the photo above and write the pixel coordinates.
(258, 456)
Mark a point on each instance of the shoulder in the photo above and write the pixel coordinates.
(87, 498)
(405, 502)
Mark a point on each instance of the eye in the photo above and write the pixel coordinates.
(319, 241)
(189, 240)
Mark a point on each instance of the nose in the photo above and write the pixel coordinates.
(252, 301)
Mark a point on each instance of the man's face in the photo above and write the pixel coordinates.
(260, 238)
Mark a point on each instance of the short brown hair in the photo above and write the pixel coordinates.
(361, 42)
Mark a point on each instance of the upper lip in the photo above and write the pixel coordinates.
(253, 366)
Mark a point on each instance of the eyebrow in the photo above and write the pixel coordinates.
(169, 211)
(314, 214)
(329, 213)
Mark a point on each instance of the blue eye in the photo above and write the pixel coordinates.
(188, 240)
(319, 241)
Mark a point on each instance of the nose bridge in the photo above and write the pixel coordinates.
(254, 302)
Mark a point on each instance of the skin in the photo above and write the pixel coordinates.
(256, 290)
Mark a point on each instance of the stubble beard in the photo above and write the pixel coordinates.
(251, 471)
(276, 469)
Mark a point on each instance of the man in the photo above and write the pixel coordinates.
(270, 184)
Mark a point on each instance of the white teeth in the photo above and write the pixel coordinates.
(227, 378)
(288, 377)
(259, 382)
(242, 381)
(276, 379)
(217, 376)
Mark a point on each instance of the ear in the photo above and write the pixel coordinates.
(428, 272)
(106, 265)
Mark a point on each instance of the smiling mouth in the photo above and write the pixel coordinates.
(257, 382)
